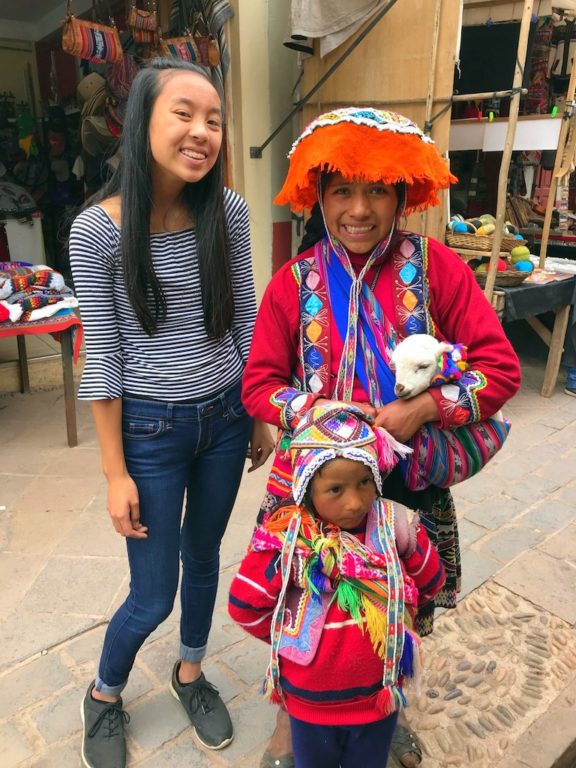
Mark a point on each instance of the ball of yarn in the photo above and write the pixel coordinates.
(486, 229)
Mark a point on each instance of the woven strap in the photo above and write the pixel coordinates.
(286, 558)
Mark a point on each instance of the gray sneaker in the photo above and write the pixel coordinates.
(103, 742)
(206, 710)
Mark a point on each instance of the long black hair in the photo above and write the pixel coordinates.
(204, 200)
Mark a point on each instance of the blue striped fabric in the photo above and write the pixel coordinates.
(179, 362)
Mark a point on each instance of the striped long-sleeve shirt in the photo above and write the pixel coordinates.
(180, 361)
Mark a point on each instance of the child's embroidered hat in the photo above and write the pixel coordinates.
(339, 430)
(367, 144)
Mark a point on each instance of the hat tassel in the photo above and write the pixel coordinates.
(389, 449)
(390, 699)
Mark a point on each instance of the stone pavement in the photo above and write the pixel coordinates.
(500, 682)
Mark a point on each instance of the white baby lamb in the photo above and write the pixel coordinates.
(415, 362)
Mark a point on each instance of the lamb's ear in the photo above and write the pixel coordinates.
(444, 347)
(392, 365)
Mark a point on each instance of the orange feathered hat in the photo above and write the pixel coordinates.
(367, 144)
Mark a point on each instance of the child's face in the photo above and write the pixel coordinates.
(343, 492)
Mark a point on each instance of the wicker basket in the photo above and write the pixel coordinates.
(506, 279)
(481, 242)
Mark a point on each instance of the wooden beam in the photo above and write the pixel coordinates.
(485, 3)
(486, 95)
(538, 326)
(431, 89)
(568, 119)
(23, 365)
(69, 393)
(508, 145)
(435, 100)
(556, 349)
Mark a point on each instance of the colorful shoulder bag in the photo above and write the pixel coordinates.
(91, 40)
(441, 457)
(182, 47)
(143, 25)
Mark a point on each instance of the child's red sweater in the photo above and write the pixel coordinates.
(340, 685)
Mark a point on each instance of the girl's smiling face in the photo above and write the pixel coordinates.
(342, 492)
(359, 215)
(185, 131)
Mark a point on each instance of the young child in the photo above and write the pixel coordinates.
(332, 579)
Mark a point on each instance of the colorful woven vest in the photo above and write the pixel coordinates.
(442, 457)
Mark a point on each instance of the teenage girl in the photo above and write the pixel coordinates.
(162, 267)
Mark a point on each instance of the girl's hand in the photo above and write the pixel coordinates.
(261, 444)
(124, 507)
(402, 418)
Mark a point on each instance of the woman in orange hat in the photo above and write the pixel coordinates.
(331, 317)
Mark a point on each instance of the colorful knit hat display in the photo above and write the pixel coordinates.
(368, 144)
(340, 430)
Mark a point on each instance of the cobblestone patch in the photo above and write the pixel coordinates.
(491, 669)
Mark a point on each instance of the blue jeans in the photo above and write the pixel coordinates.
(175, 451)
(342, 746)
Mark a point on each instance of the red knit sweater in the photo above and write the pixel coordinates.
(340, 685)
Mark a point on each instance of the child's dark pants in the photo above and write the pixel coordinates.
(342, 746)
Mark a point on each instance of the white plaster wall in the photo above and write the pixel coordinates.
(14, 74)
(284, 71)
(262, 76)
(41, 24)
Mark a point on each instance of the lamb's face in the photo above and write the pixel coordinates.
(415, 362)
(411, 379)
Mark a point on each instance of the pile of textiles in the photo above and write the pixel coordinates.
(32, 292)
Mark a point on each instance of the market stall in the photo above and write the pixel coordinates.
(59, 135)
(59, 140)
(531, 139)
(501, 149)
